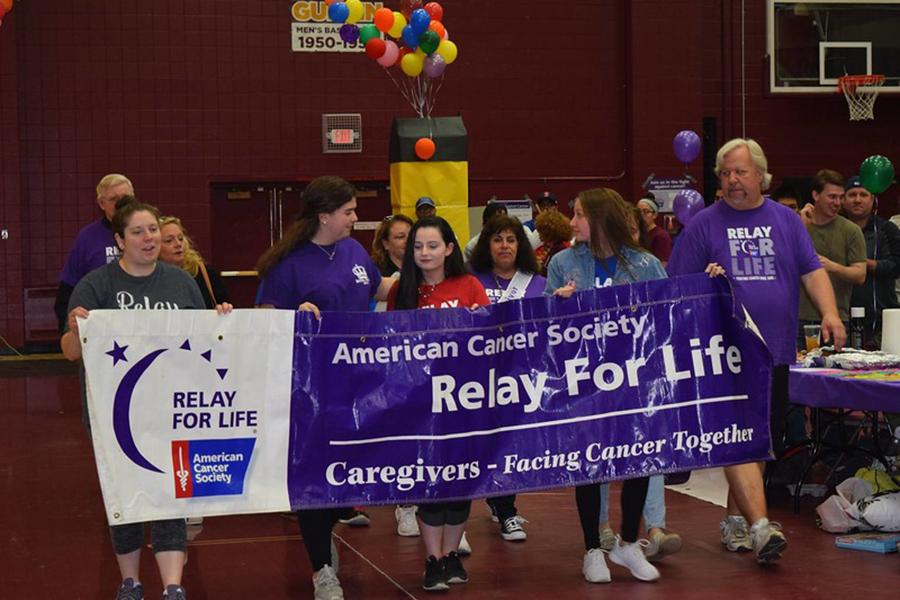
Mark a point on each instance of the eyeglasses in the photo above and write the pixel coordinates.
(387, 218)
(646, 211)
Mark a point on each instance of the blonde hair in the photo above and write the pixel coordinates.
(112, 180)
(192, 258)
(756, 155)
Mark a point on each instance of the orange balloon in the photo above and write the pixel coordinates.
(438, 28)
(384, 19)
(424, 148)
(7, 4)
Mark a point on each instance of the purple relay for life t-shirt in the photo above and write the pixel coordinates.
(495, 286)
(764, 252)
(94, 247)
(347, 282)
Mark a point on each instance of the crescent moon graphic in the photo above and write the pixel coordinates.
(122, 409)
(749, 247)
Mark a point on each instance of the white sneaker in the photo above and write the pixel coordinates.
(464, 548)
(768, 540)
(407, 525)
(594, 567)
(735, 534)
(631, 556)
(194, 521)
(326, 584)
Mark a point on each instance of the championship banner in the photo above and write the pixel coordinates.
(196, 414)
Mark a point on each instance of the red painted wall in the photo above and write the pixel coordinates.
(178, 94)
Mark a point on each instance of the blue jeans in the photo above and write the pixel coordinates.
(654, 507)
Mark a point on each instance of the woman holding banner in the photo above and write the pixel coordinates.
(434, 276)
(605, 254)
(504, 263)
(317, 266)
(138, 274)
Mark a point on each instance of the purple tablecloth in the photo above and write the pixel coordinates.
(854, 390)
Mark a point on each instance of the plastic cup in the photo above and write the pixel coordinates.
(811, 333)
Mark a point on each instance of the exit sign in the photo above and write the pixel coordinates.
(341, 136)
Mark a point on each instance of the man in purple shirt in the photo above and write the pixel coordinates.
(765, 250)
(94, 245)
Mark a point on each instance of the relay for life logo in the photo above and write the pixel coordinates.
(209, 422)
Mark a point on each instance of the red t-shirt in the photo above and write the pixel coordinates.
(660, 243)
(455, 292)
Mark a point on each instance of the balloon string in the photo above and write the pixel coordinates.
(403, 92)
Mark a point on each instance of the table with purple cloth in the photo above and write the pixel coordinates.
(834, 395)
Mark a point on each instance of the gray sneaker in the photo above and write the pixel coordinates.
(662, 543)
(735, 534)
(129, 590)
(326, 585)
(174, 592)
(607, 539)
(768, 541)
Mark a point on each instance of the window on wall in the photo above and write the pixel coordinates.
(811, 44)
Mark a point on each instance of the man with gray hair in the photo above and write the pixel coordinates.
(94, 245)
(765, 250)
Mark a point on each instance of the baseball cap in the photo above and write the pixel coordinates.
(424, 201)
(853, 182)
(547, 198)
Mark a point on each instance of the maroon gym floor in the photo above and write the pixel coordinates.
(55, 540)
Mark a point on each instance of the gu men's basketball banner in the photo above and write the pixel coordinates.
(199, 414)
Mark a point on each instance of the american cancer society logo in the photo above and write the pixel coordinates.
(202, 403)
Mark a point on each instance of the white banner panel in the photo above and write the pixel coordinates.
(189, 410)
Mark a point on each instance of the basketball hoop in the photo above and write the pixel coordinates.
(861, 92)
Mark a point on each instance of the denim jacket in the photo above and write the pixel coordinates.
(578, 264)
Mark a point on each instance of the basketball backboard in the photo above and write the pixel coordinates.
(811, 44)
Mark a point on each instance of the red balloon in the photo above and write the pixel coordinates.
(407, 6)
(438, 28)
(424, 148)
(375, 48)
(435, 10)
(7, 4)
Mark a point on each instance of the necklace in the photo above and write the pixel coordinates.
(331, 254)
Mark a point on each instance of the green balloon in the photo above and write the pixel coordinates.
(368, 32)
(429, 41)
(876, 173)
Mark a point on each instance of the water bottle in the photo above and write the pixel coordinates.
(857, 326)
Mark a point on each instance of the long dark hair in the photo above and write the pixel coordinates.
(322, 195)
(481, 261)
(411, 274)
(608, 215)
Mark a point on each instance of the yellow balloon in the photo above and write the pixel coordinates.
(412, 64)
(396, 30)
(356, 11)
(448, 50)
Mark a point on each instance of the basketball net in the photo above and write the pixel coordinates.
(861, 92)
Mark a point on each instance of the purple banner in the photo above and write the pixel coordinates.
(412, 406)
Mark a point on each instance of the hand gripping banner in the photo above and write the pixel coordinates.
(263, 410)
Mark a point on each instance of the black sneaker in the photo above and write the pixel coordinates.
(129, 590)
(174, 592)
(435, 580)
(511, 529)
(453, 569)
(355, 517)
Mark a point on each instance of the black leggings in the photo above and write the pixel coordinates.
(166, 536)
(504, 506)
(315, 527)
(587, 497)
(438, 514)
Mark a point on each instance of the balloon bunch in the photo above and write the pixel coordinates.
(5, 7)
(688, 202)
(420, 45)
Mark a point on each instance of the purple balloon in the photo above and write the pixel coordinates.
(434, 65)
(686, 204)
(686, 146)
(349, 33)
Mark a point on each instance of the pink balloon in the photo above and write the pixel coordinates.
(446, 35)
(391, 52)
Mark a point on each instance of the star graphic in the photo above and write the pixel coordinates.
(117, 353)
